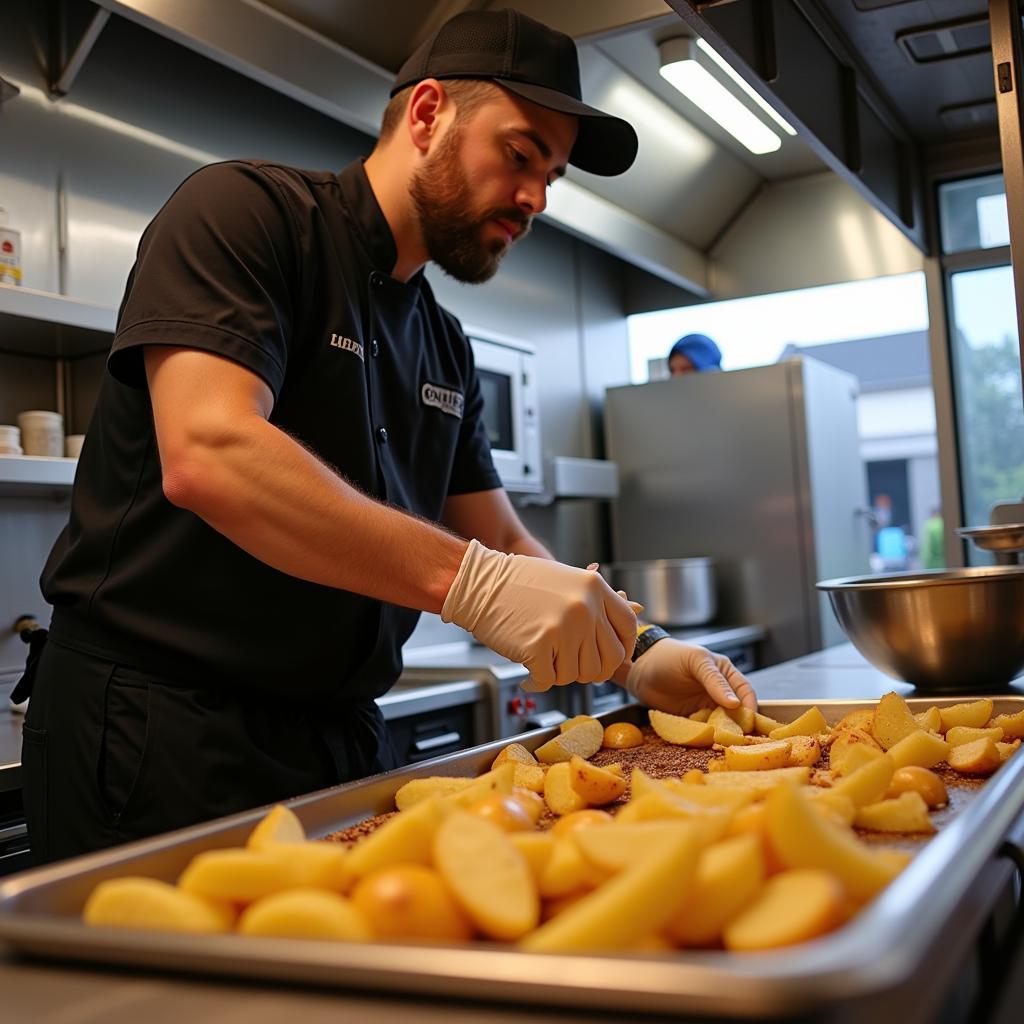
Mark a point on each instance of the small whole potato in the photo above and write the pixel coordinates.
(919, 780)
(621, 736)
(507, 812)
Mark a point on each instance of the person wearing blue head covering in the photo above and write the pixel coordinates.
(694, 353)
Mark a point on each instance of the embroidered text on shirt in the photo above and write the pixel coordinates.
(448, 400)
(340, 341)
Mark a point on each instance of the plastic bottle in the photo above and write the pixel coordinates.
(10, 252)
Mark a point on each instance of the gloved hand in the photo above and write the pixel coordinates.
(682, 678)
(564, 624)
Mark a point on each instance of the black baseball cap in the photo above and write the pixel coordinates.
(534, 62)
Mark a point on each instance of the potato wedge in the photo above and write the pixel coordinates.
(567, 870)
(279, 825)
(760, 780)
(415, 791)
(804, 751)
(498, 780)
(570, 723)
(407, 838)
(978, 758)
(597, 786)
(712, 823)
(973, 714)
(147, 903)
(920, 748)
(868, 783)
(759, 757)
(305, 914)
(905, 813)
(793, 907)
(722, 721)
(803, 839)
(724, 738)
(700, 715)
(919, 780)
(834, 806)
(682, 731)
(1007, 750)
(732, 798)
(861, 719)
(810, 723)
(235, 875)
(851, 749)
(893, 720)
(1012, 725)
(559, 794)
(763, 724)
(488, 876)
(536, 848)
(617, 848)
(583, 739)
(514, 752)
(729, 875)
(314, 864)
(961, 734)
(631, 905)
(930, 720)
(529, 776)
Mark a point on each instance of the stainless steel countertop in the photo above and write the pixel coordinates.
(55, 995)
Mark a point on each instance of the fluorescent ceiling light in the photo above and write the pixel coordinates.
(681, 69)
(727, 68)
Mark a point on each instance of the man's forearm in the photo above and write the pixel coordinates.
(277, 501)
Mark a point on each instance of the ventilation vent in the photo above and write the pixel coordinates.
(875, 5)
(946, 41)
(981, 113)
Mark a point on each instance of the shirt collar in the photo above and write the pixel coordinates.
(371, 225)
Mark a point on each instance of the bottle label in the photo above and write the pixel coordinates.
(10, 256)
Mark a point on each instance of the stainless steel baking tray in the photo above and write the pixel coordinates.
(914, 932)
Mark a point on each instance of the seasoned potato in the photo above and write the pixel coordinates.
(407, 838)
(981, 757)
(147, 903)
(810, 723)
(682, 731)
(759, 757)
(851, 749)
(905, 813)
(973, 714)
(279, 825)
(583, 739)
(622, 736)
(961, 734)
(305, 914)
(514, 752)
(893, 720)
(595, 785)
(415, 791)
(804, 751)
(559, 794)
(919, 780)
(920, 748)
(1012, 725)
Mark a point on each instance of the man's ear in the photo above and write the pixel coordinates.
(426, 113)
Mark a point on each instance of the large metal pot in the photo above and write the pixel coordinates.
(673, 591)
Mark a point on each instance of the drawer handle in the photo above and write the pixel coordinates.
(437, 741)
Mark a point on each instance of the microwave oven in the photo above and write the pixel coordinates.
(506, 369)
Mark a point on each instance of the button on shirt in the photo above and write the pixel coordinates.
(286, 272)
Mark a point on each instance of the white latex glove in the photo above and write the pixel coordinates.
(564, 624)
(682, 678)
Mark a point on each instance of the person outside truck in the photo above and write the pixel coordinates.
(269, 493)
(693, 353)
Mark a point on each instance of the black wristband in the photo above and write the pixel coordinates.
(647, 639)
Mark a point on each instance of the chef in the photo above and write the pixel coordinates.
(287, 464)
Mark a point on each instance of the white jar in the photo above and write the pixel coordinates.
(42, 432)
(10, 440)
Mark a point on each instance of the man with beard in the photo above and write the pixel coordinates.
(287, 464)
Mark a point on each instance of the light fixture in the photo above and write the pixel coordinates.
(681, 69)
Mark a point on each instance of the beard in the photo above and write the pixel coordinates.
(453, 231)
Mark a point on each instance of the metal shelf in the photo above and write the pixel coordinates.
(52, 326)
(32, 475)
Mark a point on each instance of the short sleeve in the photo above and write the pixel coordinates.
(473, 468)
(213, 272)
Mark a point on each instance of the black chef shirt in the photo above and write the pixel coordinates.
(287, 273)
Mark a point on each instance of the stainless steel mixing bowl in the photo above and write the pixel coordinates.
(951, 629)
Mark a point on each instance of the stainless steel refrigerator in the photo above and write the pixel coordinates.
(759, 469)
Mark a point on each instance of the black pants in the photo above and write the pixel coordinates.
(111, 753)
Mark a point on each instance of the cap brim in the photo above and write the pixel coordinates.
(605, 144)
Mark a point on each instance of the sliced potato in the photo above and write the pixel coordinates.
(617, 848)
(803, 839)
(763, 724)
(851, 749)
(536, 848)
(961, 734)
(759, 757)
(700, 715)
(147, 903)
(407, 838)
(905, 813)
(279, 825)
(305, 914)
(712, 823)
(570, 723)
(861, 719)
(1007, 750)
(793, 907)
(729, 875)
(724, 738)
(732, 798)
(722, 721)
(760, 780)
(1012, 725)
(832, 805)
(528, 776)
(488, 876)
(810, 723)
(868, 783)
(893, 720)
(631, 905)
(596, 785)
(238, 876)
(313, 864)
(978, 758)
(930, 720)
(973, 714)
(584, 739)
(559, 794)
(804, 751)
(919, 780)
(682, 731)
(567, 870)
(920, 748)
(415, 791)
(500, 780)
(514, 752)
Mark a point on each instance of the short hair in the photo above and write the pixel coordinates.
(468, 94)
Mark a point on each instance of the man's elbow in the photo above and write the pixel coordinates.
(193, 470)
